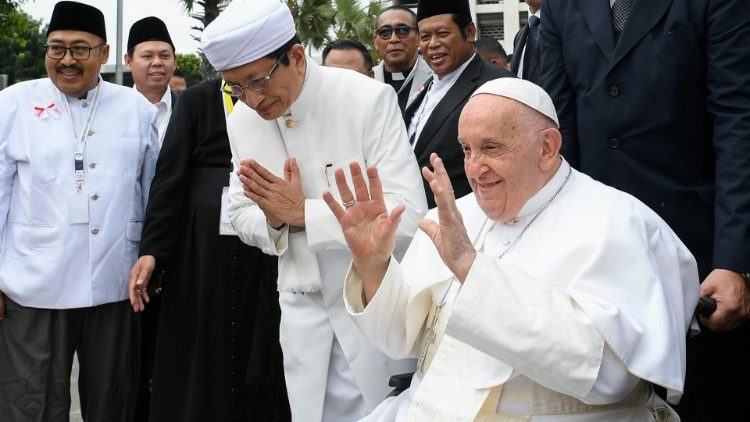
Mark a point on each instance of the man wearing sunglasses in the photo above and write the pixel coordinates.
(77, 155)
(396, 40)
(295, 123)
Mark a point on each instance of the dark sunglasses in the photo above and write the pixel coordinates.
(386, 32)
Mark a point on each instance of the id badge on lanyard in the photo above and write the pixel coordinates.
(78, 204)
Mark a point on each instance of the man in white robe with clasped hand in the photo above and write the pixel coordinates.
(295, 123)
(541, 296)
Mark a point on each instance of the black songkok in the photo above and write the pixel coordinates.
(148, 29)
(427, 8)
(74, 16)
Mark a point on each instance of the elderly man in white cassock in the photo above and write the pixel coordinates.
(542, 296)
(294, 124)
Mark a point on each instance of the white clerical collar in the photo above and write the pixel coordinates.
(451, 77)
(543, 195)
(397, 76)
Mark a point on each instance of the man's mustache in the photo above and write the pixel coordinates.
(63, 68)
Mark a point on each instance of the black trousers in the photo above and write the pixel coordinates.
(36, 357)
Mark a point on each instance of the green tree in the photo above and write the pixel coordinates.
(313, 19)
(320, 21)
(355, 22)
(210, 9)
(22, 42)
(190, 67)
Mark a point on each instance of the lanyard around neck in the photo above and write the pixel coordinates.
(85, 131)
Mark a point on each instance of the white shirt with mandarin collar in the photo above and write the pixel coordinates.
(48, 261)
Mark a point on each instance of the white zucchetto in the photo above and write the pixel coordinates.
(246, 31)
(524, 92)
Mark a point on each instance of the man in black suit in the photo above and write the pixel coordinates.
(654, 99)
(526, 46)
(446, 35)
(152, 61)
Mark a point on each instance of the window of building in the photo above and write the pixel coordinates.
(523, 19)
(491, 25)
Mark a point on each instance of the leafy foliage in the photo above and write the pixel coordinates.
(357, 23)
(321, 21)
(22, 42)
(190, 67)
(210, 9)
(313, 19)
(317, 21)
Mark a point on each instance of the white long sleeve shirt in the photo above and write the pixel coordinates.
(61, 248)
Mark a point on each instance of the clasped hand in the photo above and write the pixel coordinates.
(281, 199)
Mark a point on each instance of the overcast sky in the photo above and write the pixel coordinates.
(170, 11)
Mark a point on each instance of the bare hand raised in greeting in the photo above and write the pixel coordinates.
(449, 235)
(369, 229)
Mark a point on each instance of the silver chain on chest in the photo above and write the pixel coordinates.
(430, 335)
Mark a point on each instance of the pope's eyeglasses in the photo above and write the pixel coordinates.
(78, 52)
(255, 85)
(402, 31)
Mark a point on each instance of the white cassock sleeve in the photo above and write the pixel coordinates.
(620, 314)
(247, 218)
(394, 318)
(625, 311)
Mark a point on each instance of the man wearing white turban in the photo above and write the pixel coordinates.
(294, 124)
(542, 296)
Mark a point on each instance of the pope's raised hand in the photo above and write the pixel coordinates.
(449, 235)
(369, 229)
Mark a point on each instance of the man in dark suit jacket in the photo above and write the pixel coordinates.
(446, 35)
(662, 111)
(525, 61)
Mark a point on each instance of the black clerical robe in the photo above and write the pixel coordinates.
(217, 350)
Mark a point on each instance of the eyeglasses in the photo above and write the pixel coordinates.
(256, 85)
(78, 52)
(402, 31)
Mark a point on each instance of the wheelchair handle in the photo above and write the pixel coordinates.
(706, 306)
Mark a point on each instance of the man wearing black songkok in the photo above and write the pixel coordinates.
(446, 39)
(77, 155)
(152, 62)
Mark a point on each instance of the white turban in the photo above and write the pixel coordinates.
(245, 31)
(524, 92)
